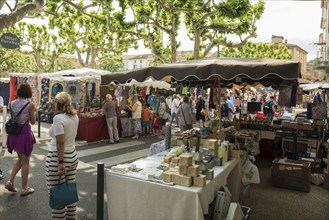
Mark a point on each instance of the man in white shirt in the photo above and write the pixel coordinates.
(174, 108)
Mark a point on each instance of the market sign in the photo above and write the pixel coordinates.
(9, 41)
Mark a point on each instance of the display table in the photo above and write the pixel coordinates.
(92, 129)
(132, 196)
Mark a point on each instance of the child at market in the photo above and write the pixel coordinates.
(146, 115)
(156, 124)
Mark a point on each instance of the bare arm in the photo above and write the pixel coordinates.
(134, 108)
(60, 152)
(32, 113)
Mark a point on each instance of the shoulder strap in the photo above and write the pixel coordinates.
(19, 111)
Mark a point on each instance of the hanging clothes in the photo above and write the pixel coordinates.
(151, 101)
(13, 88)
(185, 90)
(143, 94)
(285, 95)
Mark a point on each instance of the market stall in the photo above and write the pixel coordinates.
(210, 147)
(5, 89)
(83, 86)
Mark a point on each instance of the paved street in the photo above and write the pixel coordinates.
(35, 206)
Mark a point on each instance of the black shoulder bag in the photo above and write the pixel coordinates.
(12, 125)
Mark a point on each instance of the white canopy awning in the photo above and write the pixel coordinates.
(150, 83)
(80, 72)
(313, 86)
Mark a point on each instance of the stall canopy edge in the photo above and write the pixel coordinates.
(227, 69)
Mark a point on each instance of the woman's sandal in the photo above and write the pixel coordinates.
(10, 186)
(27, 191)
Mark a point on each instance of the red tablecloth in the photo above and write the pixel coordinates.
(92, 129)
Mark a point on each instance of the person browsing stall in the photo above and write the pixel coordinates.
(174, 108)
(22, 143)
(185, 114)
(146, 117)
(199, 106)
(109, 109)
(162, 114)
(230, 105)
(62, 159)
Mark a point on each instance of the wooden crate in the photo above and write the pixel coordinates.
(291, 174)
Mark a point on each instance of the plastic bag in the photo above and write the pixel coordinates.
(250, 173)
(317, 178)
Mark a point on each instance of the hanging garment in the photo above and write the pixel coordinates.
(13, 88)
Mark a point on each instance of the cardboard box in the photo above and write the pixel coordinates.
(291, 174)
(175, 160)
(173, 141)
(186, 181)
(167, 176)
(199, 181)
(211, 144)
(185, 160)
(176, 178)
(183, 170)
(168, 159)
(193, 170)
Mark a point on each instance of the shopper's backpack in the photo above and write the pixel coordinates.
(12, 125)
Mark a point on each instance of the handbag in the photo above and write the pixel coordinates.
(203, 112)
(63, 194)
(12, 125)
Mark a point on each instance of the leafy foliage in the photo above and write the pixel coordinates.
(259, 50)
(98, 32)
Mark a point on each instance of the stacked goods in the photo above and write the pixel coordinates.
(187, 174)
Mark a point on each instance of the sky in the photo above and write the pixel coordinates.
(297, 21)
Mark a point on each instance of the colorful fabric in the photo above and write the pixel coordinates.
(13, 88)
(74, 91)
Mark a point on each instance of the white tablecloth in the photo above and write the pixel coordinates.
(137, 198)
(157, 148)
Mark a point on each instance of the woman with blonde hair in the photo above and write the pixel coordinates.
(22, 143)
(62, 159)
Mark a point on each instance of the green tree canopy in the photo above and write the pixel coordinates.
(259, 50)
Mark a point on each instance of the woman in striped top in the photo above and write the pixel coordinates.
(62, 157)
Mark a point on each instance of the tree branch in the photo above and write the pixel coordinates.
(8, 20)
(80, 9)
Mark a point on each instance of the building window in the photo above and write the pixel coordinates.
(141, 61)
(134, 66)
(135, 61)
